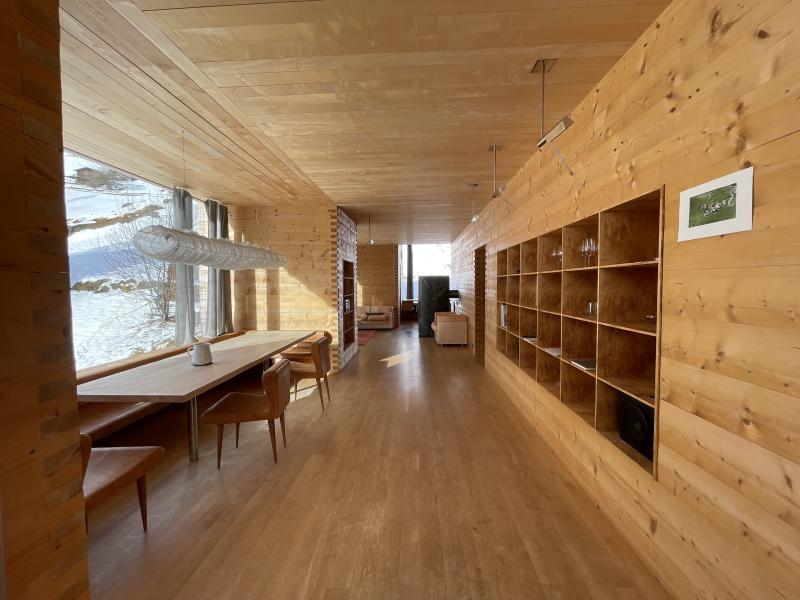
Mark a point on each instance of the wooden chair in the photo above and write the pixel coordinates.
(315, 363)
(240, 407)
(108, 470)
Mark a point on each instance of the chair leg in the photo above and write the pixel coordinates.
(295, 390)
(237, 435)
(220, 431)
(321, 397)
(283, 428)
(271, 423)
(141, 488)
(327, 387)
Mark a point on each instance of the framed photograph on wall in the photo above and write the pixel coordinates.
(724, 205)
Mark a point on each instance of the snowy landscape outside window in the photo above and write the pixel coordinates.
(123, 303)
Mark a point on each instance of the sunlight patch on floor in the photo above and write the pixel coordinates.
(397, 359)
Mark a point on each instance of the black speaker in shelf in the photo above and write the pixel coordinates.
(636, 425)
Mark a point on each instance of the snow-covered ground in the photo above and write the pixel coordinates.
(113, 324)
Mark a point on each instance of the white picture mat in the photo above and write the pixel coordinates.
(744, 207)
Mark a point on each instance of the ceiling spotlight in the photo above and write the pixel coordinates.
(556, 131)
(496, 191)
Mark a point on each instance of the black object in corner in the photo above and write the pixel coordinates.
(434, 296)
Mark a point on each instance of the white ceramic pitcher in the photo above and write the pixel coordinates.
(200, 353)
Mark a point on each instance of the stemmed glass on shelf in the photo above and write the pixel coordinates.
(588, 249)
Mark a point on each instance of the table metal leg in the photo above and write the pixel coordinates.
(193, 431)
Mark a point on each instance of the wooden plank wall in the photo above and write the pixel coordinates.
(344, 242)
(710, 87)
(462, 278)
(305, 294)
(43, 537)
(377, 277)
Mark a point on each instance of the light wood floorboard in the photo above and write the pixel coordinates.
(419, 481)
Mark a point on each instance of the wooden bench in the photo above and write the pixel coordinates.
(101, 419)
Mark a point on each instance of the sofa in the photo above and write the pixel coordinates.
(450, 328)
(375, 317)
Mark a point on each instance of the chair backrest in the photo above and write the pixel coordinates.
(86, 451)
(276, 382)
(321, 353)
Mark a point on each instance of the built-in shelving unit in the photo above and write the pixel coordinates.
(348, 302)
(581, 316)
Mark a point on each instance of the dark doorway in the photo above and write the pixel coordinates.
(480, 303)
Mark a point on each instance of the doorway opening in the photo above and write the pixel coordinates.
(480, 303)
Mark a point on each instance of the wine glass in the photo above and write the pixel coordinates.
(585, 251)
(557, 254)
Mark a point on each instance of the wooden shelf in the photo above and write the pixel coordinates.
(630, 452)
(527, 291)
(578, 391)
(642, 390)
(549, 298)
(549, 292)
(513, 264)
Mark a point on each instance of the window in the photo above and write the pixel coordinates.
(428, 259)
(123, 303)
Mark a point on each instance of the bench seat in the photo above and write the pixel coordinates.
(101, 419)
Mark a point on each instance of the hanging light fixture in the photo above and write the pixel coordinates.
(543, 66)
(371, 242)
(496, 191)
(190, 248)
(474, 218)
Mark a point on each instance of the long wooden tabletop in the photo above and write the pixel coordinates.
(175, 380)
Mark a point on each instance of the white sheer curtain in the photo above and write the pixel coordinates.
(184, 274)
(220, 317)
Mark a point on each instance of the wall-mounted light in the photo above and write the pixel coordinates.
(496, 191)
(544, 66)
(371, 242)
(474, 218)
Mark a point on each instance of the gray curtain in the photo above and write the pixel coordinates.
(220, 315)
(184, 274)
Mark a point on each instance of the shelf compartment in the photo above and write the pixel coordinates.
(548, 372)
(578, 392)
(610, 403)
(548, 331)
(501, 340)
(579, 288)
(630, 233)
(547, 244)
(549, 295)
(512, 317)
(528, 254)
(573, 236)
(629, 298)
(578, 339)
(501, 289)
(527, 291)
(527, 358)
(512, 289)
(502, 262)
(512, 347)
(513, 260)
(627, 361)
(528, 320)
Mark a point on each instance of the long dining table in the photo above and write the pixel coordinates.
(175, 380)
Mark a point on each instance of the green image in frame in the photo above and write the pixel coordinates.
(713, 206)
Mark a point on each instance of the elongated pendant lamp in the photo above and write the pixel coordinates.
(189, 248)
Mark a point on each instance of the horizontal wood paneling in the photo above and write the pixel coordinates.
(709, 88)
(296, 104)
(377, 276)
(42, 536)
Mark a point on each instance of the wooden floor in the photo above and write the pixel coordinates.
(419, 481)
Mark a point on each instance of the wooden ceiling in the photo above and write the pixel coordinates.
(384, 107)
